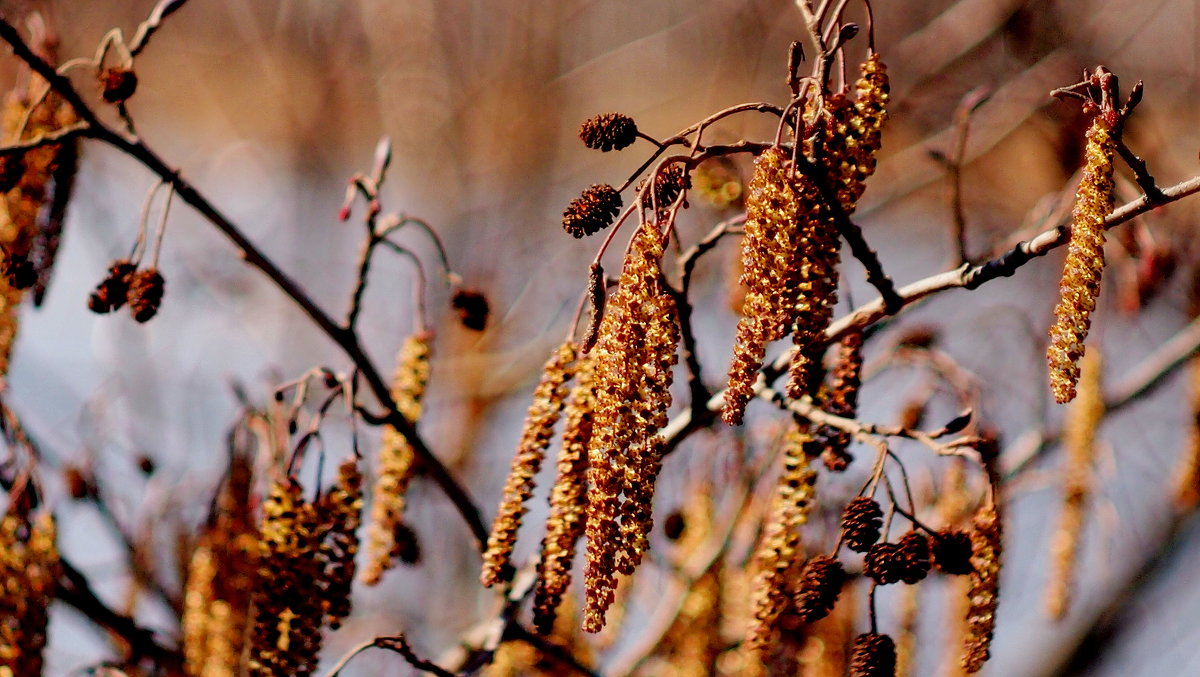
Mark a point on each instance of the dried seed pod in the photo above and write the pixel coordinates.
(820, 583)
(406, 545)
(1080, 285)
(861, 522)
(885, 563)
(593, 211)
(608, 131)
(873, 655)
(984, 595)
(145, 294)
(914, 551)
(397, 460)
(473, 308)
(634, 356)
(951, 552)
(110, 294)
(117, 84)
(776, 553)
(1083, 418)
(669, 182)
(548, 400)
(568, 501)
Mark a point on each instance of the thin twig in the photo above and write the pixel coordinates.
(346, 339)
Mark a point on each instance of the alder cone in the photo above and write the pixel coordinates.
(861, 522)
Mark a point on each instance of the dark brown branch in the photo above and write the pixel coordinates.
(346, 339)
(74, 589)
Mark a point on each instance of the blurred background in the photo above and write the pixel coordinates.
(270, 106)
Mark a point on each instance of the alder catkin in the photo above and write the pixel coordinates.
(771, 218)
(397, 460)
(983, 597)
(288, 614)
(29, 569)
(1080, 285)
(222, 575)
(339, 511)
(634, 355)
(548, 399)
(778, 546)
(1079, 440)
(568, 501)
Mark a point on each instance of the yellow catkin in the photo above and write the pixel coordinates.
(397, 461)
(29, 570)
(984, 593)
(772, 208)
(1080, 285)
(221, 577)
(1079, 441)
(778, 550)
(548, 400)
(1187, 476)
(568, 501)
(634, 355)
(811, 282)
(288, 612)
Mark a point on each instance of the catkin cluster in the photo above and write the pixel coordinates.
(1080, 284)
(221, 577)
(1079, 441)
(790, 249)
(778, 548)
(983, 597)
(305, 553)
(568, 499)
(548, 400)
(634, 355)
(29, 571)
(397, 461)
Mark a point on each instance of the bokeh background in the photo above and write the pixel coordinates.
(270, 106)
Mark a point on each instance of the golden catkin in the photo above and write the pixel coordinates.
(221, 577)
(864, 134)
(548, 400)
(397, 461)
(340, 513)
(984, 593)
(1187, 477)
(288, 612)
(1080, 285)
(777, 552)
(29, 571)
(634, 355)
(568, 501)
(1079, 441)
(772, 208)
